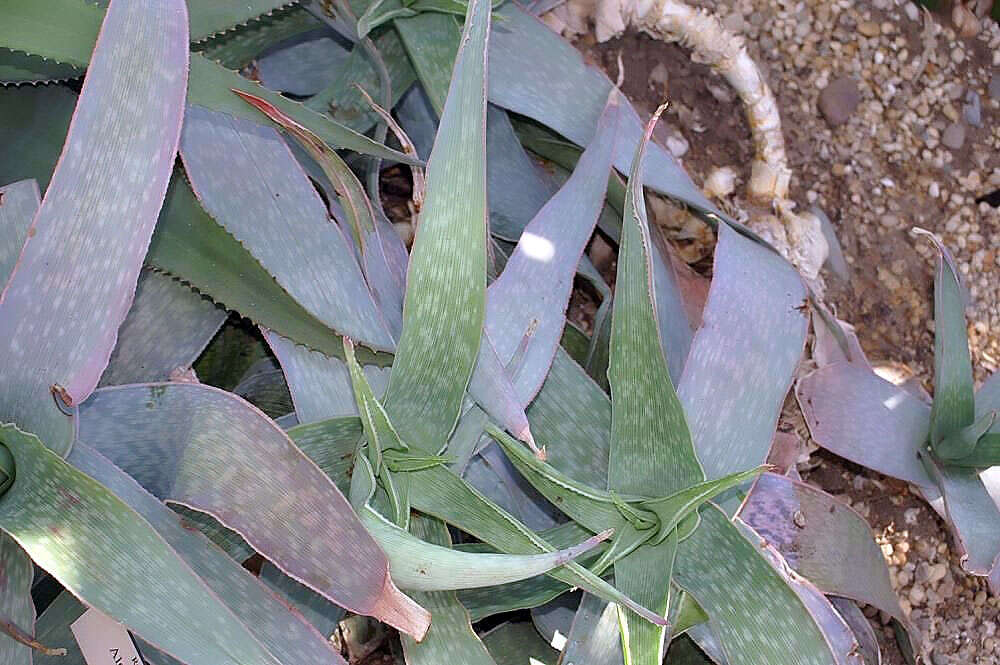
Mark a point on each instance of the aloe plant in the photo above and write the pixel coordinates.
(404, 385)
(946, 446)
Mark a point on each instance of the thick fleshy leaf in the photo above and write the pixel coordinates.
(303, 68)
(61, 516)
(52, 628)
(166, 329)
(344, 102)
(208, 450)
(972, 514)
(648, 428)
(520, 644)
(426, 567)
(816, 534)
(441, 335)
(953, 407)
(35, 122)
(317, 610)
(744, 356)
(249, 181)
(18, 204)
(594, 637)
(533, 72)
(988, 398)
(65, 31)
(450, 638)
(861, 627)
(319, 384)
(281, 632)
(417, 117)
(531, 294)
(237, 48)
(386, 289)
(491, 473)
(758, 617)
(58, 320)
(15, 602)
(263, 385)
(852, 412)
(17, 67)
(209, 17)
(432, 43)
(518, 187)
(331, 444)
(440, 493)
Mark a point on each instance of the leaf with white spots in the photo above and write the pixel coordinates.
(166, 329)
(108, 555)
(268, 623)
(65, 31)
(209, 450)
(757, 616)
(18, 204)
(532, 293)
(445, 299)
(744, 356)
(248, 180)
(73, 285)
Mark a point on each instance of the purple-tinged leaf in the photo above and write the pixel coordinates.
(73, 285)
(317, 610)
(303, 68)
(106, 554)
(534, 71)
(248, 180)
(492, 387)
(855, 414)
(16, 573)
(838, 634)
(744, 355)
(861, 627)
(817, 534)
(971, 513)
(209, 450)
(18, 204)
(319, 384)
(756, 615)
(283, 633)
(826, 347)
(166, 329)
(531, 294)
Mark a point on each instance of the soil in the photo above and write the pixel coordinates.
(876, 176)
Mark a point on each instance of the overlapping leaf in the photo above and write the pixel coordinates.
(208, 450)
(18, 204)
(127, 119)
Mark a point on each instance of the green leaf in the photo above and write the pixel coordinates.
(953, 407)
(61, 517)
(16, 67)
(303, 67)
(985, 454)
(263, 385)
(440, 493)
(316, 609)
(65, 31)
(258, 616)
(441, 336)
(166, 329)
(432, 43)
(35, 122)
(757, 616)
(520, 644)
(209, 17)
(19, 202)
(208, 450)
(331, 444)
(236, 48)
(648, 428)
(451, 637)
(15, 602)
(251, 184)
(52, 628)
(93, 226)
(959, 445)
(422, 566)
(594, 637)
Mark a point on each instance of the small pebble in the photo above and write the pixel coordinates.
(839, 99)
(954, 136)
(994, 87)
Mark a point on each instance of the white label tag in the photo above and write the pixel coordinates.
(103, 640)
